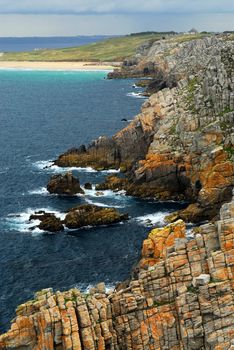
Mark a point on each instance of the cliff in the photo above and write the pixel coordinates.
(181, 297)
(181, 144)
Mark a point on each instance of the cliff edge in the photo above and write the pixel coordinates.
(181, 145)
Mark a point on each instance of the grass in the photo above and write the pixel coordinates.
(110, 50)
(230, 151)
(188, 37)
(192, 289)
(226, 110)
(189, 99)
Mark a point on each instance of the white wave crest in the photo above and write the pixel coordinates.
(98, 204)
(21, 223)
(42, 191)
(105, 193)
(136, 95)
(136, 87)
(49, 165)
(152, 219)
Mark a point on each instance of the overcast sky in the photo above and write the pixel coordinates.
(79, 17)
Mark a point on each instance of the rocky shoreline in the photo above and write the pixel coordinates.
(181, 146)
(181, 297)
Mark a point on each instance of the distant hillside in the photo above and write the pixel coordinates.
(110, 50)
(114, 49)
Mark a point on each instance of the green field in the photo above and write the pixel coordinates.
(110, 50)
(115, 49)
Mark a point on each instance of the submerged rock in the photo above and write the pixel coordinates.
(92, 215)
(64, 184)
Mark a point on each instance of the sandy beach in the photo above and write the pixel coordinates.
(83, 66)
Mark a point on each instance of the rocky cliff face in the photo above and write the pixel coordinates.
(181, 297)
(181, 144)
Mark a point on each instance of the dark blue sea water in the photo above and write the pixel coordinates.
(43, 114)
(32, 43)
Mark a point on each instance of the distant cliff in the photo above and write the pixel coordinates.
(181, 144)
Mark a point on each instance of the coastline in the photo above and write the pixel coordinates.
(57, 66)
(180, 294)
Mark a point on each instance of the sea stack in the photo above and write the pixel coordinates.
(64, 184)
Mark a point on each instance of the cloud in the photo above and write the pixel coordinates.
(59, 25)
(85, 7)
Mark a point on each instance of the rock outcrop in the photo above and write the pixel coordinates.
(181, 145)
(92, 215)
(181, 297)
(81, 216)
(48, 221)
(64, 184)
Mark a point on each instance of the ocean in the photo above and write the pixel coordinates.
(35, 43)
(42, 114)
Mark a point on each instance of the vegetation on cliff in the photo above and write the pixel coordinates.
(180, 145)
(180, 295)
(110, 50)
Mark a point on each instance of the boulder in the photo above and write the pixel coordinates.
(48, 221)
(92, 215)
(51, 224)
(64, 184)
(88, 186)
(112, 182)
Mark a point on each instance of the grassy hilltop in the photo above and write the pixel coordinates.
(110, 50)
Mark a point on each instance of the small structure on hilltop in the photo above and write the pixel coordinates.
(193, 31)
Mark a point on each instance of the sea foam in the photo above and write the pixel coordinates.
(136, 95)
(49, 165)
(152, 219)
(20, 221)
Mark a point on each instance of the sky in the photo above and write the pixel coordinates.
(89, 17)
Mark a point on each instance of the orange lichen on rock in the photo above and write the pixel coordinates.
(159, 239)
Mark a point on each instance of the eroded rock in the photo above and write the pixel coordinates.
(159, 308)
(181, 145)
(64, 184)
(91, 215)
(48, 221)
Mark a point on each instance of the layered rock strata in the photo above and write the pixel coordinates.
(180, 298)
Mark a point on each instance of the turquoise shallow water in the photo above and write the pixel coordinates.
(42, 114)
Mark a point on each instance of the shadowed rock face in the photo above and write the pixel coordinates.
(181, 297)
(65, 184)
(181, 145)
